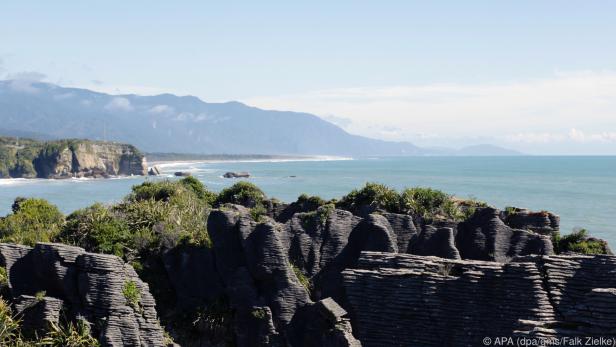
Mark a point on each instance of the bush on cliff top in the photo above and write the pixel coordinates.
(578, 242)
(97, 229)
(373, 196)
(32, 221)
(425, 202)
(429, 203)
(156, 215)
(242, 193)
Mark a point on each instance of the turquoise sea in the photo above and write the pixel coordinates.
(582, 190)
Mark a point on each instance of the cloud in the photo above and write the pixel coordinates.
(161, 109)
(536, 110)
(24, 81)
(119, 104)
(573, 135)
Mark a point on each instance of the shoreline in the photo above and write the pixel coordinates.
(174, 163)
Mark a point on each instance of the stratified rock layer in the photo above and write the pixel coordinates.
(430, 301)
(86, 286)
(68, 158)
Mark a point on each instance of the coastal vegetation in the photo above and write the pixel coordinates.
(426, 203)
(157, 217)
(578, 242)
(26, 158)
(67, 334)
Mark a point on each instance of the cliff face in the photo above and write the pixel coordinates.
(337, 279)
(80, 285)
(68, 158)
(328, 277)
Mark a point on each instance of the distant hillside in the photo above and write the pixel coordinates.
(181, 124)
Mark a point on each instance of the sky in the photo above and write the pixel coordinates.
(536, 76)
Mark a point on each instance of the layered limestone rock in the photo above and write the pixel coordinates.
(485, 236)
(542, 222)
(68, 158)
(50, 278)
(90, 159)
(286, 276)
(264, 291)
(430, 301)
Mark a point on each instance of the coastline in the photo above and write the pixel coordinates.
(174, 163)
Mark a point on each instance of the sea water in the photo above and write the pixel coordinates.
(582, 190)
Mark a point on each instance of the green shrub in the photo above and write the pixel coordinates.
(9, 325)
(159, 191)
(258, 212)
(97, 229)
(310, 201)
(578, 242)
(4, 277)
(469, 206)
(199, 189)
(241, 193)
(70, 335)
(303, 279)
(132, 294)
(259, 313)
(33, 220)
(429, 203)
(40, 295)
(373, 195)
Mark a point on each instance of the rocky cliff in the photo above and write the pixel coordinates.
(68, 158)
(337, 279)
(308, 274)
(54, 280)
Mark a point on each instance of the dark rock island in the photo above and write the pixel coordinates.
(23, 158)
(375, 268)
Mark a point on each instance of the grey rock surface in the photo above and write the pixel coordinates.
(486, 237)
(86, 285)
(431, 301)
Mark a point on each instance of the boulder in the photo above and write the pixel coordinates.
(241, 174)
(182, 174)
(154, 171)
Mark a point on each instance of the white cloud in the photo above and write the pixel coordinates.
(573, 135)
(24, 81)
(119, 104)
(531, 111)
(161, 109)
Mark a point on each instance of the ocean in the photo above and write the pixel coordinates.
(582, 190)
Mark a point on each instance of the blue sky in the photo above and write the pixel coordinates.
(539, 76)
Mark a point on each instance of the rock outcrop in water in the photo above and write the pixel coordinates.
(21, 158)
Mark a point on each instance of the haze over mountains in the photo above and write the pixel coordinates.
(186, 124)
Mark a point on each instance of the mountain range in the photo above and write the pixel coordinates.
(186, 124)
